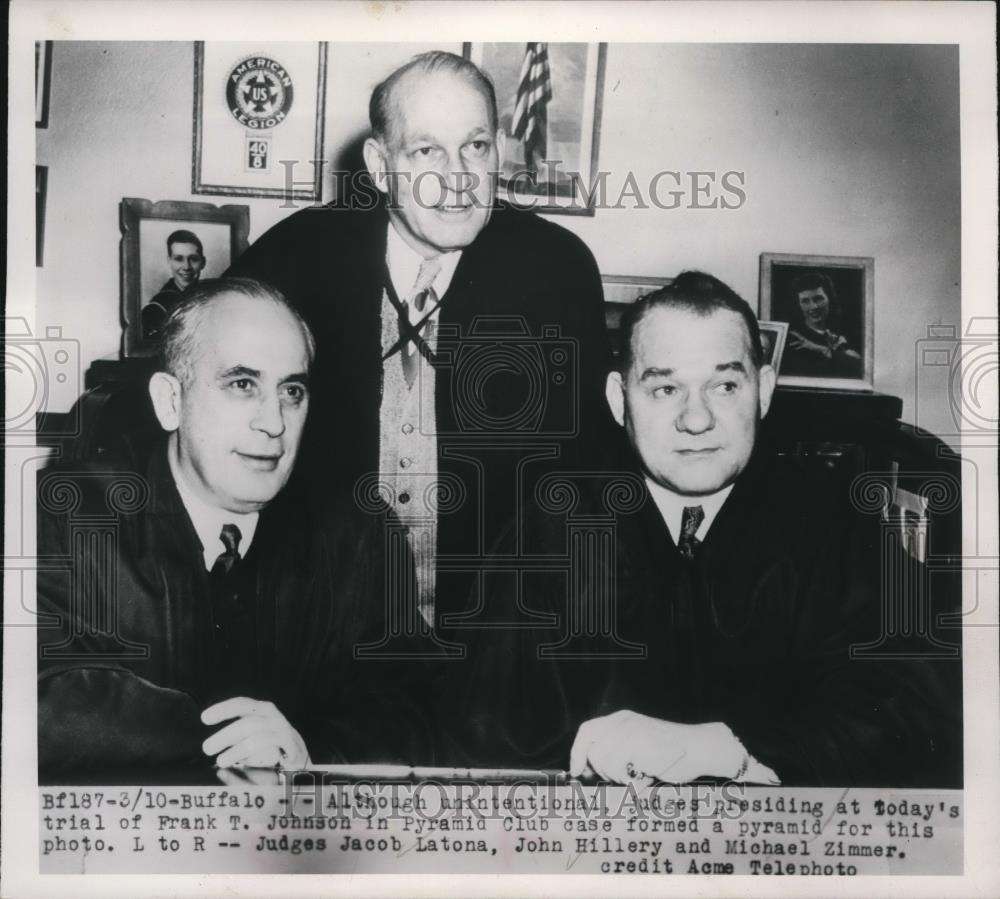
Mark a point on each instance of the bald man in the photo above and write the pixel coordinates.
(461, 341)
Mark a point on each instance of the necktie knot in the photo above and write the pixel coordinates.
(230, 537)
(691, 520)
(232, 616)
(423, 290)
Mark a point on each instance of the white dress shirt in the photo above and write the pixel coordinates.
(671, 506)
(208, 520)
(404, 265)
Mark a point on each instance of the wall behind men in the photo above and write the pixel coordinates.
(845, 150)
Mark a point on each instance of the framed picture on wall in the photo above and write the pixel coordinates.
(43, 81)
(258, 119)
(166, 247)
(549, 100)
(827, 303)
(41, 186)
(772, 342)
(620, 292)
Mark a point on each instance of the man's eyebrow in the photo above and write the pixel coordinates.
(299, 378)
(735, 365)
(422, 138)
(419, 138)
(656, 373)
(239, 371)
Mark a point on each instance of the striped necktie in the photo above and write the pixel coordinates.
(421, 296)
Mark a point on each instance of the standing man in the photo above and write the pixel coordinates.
(461, 342)
(186, 259)
(737, 603)
(199, 617)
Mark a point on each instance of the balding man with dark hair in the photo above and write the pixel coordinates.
(461, 341)
(205, 619)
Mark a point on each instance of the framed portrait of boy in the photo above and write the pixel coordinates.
(165, 248)
(827, 303)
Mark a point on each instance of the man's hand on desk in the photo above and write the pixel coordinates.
(259, 737)
(626, 747)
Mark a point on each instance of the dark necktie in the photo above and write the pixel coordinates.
(691, 520)
(226, 562)
(229, 617)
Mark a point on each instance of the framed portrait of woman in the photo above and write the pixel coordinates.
(827, 303)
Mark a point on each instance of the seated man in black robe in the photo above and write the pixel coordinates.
(712, 612)
(189, 614)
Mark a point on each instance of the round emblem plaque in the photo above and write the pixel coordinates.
(259, 92)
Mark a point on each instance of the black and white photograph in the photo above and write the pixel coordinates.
(772, 341)
(43, 79)
(620, 292)
(167, 247)
(383, 523)
(41, 185)
(254, 106)
(828, 304)
(549, 99)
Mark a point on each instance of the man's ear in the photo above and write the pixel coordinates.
(374, 153)
(767, 378)
(614, 391)
(165, 391)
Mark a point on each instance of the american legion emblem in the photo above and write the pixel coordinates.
(259, 94)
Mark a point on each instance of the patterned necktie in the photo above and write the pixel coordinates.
(691, 520)
(421, 296)
(423, 290)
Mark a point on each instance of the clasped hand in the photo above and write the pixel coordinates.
(258, 736)
(626, 747)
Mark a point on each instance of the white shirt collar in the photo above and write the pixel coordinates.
(671, 506)
(208, 520)
(404, 266)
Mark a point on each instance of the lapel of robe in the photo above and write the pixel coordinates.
(169, 543)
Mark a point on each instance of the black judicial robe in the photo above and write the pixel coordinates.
(757, 633)
(127, 652)
(523, 354)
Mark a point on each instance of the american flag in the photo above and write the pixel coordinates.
(534, 90)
